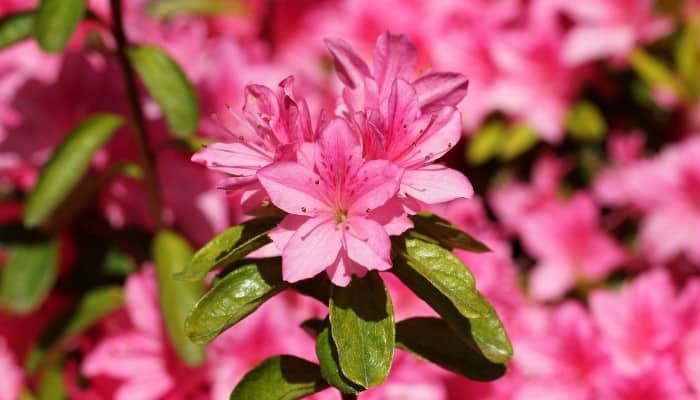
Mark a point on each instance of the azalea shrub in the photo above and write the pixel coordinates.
(243, 199)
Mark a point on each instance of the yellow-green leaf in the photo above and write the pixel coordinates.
(228, 246)
(171, 253)
(169, 87)
(486, 142)
(67, 165)
(16, 27)
(328, 359)
(171, 8)
(56, 21)
(519, 139)
(438, 230)
(585, 122)
(28, 275)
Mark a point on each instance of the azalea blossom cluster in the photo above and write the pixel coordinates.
(594, 257)
(351, 181)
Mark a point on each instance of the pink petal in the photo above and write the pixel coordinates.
(402, 112)
(292, 188)
(313, 248)
(282, 233)
(147, 387)
(343, 269)
(339, 151)
(349, 66)
(433, 135)
(368, 244)
(392, 217)
(587, 43)
(435, 183)
(394, 58)
(376, 182)
(438, 90)
(551, 280)
(126, 356)
(141, 296)
(239, 159)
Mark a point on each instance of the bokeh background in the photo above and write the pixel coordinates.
(580, 136)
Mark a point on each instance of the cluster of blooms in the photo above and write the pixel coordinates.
(350, 183)
(594, 274)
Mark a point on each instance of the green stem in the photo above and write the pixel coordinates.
(146, 156)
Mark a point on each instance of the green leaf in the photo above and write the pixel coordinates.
(443, 232)
(55, 22)
(585, 122)
(447, 274)
(330, 368)
(92, 307)
(433, 340)
(28, 275)
(520, 138)
(653, 71)
(229, 246)
(168, 86)
(16, 27)
(51, 385)
(687, 55)
(362, 327)
(434, 275)
(485, 142)
(280, 378)
(67, 165)
(170, 8)
(233, 298)
(171, 253)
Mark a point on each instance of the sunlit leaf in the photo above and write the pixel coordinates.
(171, 253)
(485, 142)
(228, 246)
(519, 139)
(330, 368)
(28, 275)
(171, 8)
(16, 27)
(585, 122)
(56, 21)
(169, 87)
(234, 297)
(67, 165)
(441, 231)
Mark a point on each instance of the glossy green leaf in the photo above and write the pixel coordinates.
(433, 340)
(485, 142)
(16, 27)
(280, 378)
(362, 327)
(28, 275)
(520, 138)
(475, 318)
(171, 253)
(169, 87)
(441, 231)
(67, 165)
(330, 368)
(171, 8)
(234, 297)
(447, 274)
(56, 21)
(229, 246)
(93, 306)
(585, 122)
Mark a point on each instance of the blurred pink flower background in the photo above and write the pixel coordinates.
(595, 258)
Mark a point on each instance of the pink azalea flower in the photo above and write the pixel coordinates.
(671, 221)
(340, 210)
(139, 357)
(271, 128)
(12, 375)
(409, 122)
(637, 343)
(663, 380)
(609, 28)
(569, 246)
